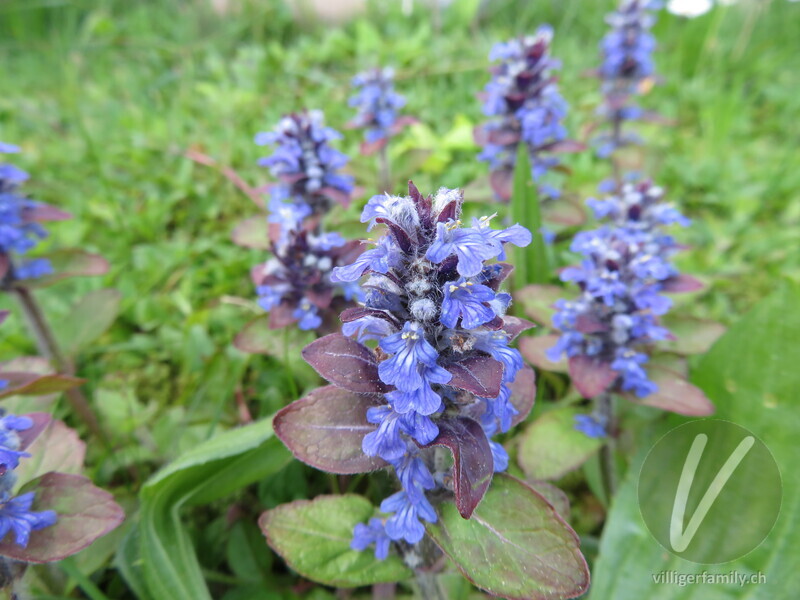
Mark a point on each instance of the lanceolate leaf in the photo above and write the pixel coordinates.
(514, 546)
(313, 537)
(85, 513)
(531, 262)
(472, 460)
(481, 375)
(591, 376)
(345, 363)
(208, 472)
(325, 429)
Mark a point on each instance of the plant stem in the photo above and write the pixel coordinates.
(48, 347)
(287, 363)
(429, 587)
(607, 466)
(385, 169)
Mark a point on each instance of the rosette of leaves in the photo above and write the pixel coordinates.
(525, 106)
(421, 379)
(48, 510)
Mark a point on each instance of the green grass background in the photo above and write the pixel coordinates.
(105, 98)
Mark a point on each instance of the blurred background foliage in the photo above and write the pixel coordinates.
(105, 99)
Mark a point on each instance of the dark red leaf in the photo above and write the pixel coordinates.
(345, 363)
(40, 423)
(481, 375)
(368, 148)
(45, 212)
(523, 394)
(565, 146)
(325, 429)
(675, 394)
(591, 376)
(85, 513)
(587, 324)
(534, 350)
(36, 384)
(473, 464)
(501, 182)
(682, 283)
(281, 316)
(3, 313)
(513, 326)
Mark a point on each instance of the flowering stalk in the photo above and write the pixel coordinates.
(20, 231)
(523, 100)
(294, 286)
(627, 70)
(378, 105)
(443, 364)
(15, 511)
(608, 331)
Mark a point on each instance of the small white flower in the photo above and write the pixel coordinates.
(689, 8)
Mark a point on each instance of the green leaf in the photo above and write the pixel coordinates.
(258, 338)
(208, 472)
(693, 336)
(515, 545)
(88, 319)
(551, 446)
(537, 302)
(313, 537)
(751, 375)
(70, 262)
(531, 262)
(56, 449)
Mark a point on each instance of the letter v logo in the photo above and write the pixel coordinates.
(679, 538)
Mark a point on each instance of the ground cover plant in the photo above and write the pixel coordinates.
(280, 370)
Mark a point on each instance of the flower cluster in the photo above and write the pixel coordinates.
(432, 305)
(625, 269)
(377, 105)
(305, 164)
(627, 66)
(15, 511)
(523, 98)
(294, 285)
(19, 229)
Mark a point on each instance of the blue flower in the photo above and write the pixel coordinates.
(590, 425)
(16, 515)
(377, 103)
(386, 440)
(413, 361)
(373, 533)
(468, 301)
(380, 259)
(408, 510)
(307, 316)
(495, 344)
(469, 245)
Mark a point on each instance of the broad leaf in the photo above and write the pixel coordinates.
(473, 465)
(693, 336)
(751, 374)
(551, 446)
(591, 376)
(537, 301)
(523, 394)
(88, 319)
(71, 263)
(481, 375)
(676, 394)
(85, 513)
(513, 326)
(213, 470)
(56, 448)
(534, 350)
(257, 337)
(345, 363)
(682, 284)
(252, 233)
(313, 537)
(514, 546)
(325, 429)
(33, 384)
